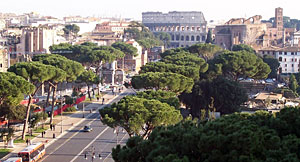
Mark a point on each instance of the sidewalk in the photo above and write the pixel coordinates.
(67, 123)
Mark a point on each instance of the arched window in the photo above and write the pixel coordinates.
(192, 38)
(280, 59)
(198, 38)
(182, 38)
(173, 37)
(187, 38)
(177, 37)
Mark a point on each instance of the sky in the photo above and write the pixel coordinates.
(212, 9)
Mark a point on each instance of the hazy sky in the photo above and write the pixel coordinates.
(212, 9)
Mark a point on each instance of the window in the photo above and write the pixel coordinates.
(177, 37)
(280, 59)
(292, 60)
(198, 38)
(292, 65)
(285, 65)
(263, 52)
(203, 38)
(182, 38)
(192, 38)
(187, 38)
(280, 53)
(284, 59)
(285, 53)
(292, 53)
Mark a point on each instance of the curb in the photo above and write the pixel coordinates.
(65, 131)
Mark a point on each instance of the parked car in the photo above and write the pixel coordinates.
(87, 128)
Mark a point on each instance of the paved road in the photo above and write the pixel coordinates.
(72, 146)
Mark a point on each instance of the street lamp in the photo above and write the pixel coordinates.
(92, 153)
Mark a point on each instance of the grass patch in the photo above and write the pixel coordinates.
(4, 152)
(40, 129)
(19, 140)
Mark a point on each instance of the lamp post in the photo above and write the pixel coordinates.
(92, 152)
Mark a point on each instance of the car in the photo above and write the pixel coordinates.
(87, 128)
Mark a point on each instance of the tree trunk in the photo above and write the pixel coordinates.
(27, 118)
(53, 101)
(48, 96)
(28, 112)
(89, 93)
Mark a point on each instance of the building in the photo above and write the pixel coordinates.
(4, 60)
(185, 28)
(295, 39)
(133, 63)
(36, 40)
(154, 53)
(241, 31)
(109, 32)
(289, 59)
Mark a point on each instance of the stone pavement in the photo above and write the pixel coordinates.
(68, 122)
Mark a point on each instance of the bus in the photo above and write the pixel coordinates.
(14, 159)
(33, 152)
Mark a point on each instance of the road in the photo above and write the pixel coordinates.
(74, 144)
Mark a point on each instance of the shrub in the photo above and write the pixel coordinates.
(71, 109)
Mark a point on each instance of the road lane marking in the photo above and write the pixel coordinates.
(89, 144)
(71, 138)
(116, 145)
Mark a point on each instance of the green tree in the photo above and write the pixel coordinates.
(206, 51)
(71, 29)
(13, 88)
(226, 96)
(36, 73)
(126, 48)
(209, 39)
(142, 35)
(235, 137)
(274, 65)
(164, 37)
(241, 64)
(241, 47)
(165, 81)
(188, 71)
(139, 115)
(186, 59)
(293, 84)
(162, 96)
(174, 51)
(66, 70)
(12, 91)
(88, 77)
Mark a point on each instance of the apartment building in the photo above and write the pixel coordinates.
(289, 59)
